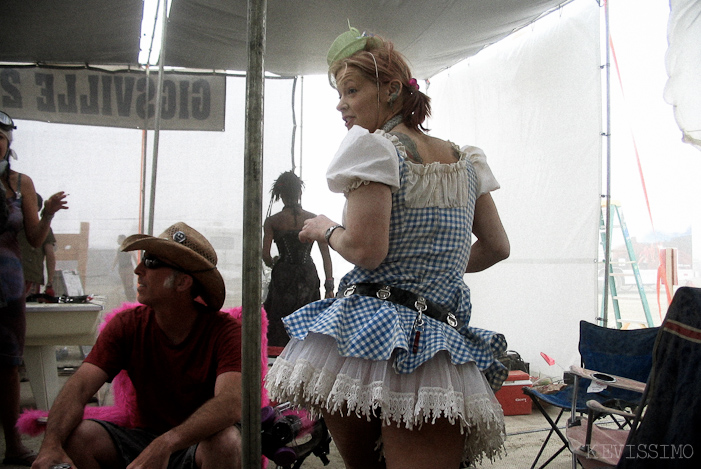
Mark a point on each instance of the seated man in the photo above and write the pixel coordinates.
(183, 358)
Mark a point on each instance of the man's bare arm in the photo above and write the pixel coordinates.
(67, 412)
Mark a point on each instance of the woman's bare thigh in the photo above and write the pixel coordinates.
(433, 446)
(356, 439)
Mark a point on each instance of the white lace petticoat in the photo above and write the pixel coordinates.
(311, 374)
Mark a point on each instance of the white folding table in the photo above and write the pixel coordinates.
(49, 325)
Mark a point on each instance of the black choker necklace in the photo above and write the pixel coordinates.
(392, 123)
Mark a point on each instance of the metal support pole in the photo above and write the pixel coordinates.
(147, 117)
(144, 148)
(301, 126)
(607, 247)
(157, 120)
(252, 243)
(294, 125)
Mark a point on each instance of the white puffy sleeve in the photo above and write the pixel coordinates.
(486, 182)
(363, 158)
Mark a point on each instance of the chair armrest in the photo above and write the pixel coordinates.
(619, 382)
(602, 409)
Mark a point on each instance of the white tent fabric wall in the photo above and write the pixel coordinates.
(200, 179)
(533, 103)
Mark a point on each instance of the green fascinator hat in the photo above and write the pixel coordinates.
(348, 44)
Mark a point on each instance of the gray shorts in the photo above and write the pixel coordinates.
(130, 442)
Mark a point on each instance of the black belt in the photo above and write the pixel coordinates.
(402, 297)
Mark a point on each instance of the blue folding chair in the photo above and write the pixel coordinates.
(626, 353)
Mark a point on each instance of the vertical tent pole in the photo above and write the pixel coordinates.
(142, 181)
(301, 126)
(252, 244)
(294, 125)
(607, 248)
(144, 134)
(144, 147)
(157, 120)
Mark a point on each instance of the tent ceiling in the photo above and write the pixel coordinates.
(212, 34)
(70, 32)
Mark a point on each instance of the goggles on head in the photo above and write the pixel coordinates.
(6, 121)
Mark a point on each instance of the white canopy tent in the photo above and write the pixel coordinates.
(212, 34)
(542, 83)
(209, 24)
(533, 102)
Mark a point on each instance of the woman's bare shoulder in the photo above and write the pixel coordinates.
(437, 150)
(307, 214)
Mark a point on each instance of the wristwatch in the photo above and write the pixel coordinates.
(330, 231)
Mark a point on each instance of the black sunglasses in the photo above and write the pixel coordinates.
(151, 262)
(6, 121)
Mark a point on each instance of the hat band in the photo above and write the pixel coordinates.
(200, 271)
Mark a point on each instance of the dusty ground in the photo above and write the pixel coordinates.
(525, 434)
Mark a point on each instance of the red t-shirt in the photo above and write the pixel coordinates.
(171, 381)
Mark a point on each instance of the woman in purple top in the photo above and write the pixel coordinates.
(19, 210)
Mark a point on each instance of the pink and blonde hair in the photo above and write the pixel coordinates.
(381, 63)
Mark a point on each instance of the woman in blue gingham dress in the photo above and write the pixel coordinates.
(363, 362)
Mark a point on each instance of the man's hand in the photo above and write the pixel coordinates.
(154, 456)
(51, 456)
(67, 414)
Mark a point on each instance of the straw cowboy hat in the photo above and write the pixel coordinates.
(185, 248)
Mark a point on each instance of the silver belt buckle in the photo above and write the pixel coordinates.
(349, 291)
(452, 320)
(420, 304)
(383, 293)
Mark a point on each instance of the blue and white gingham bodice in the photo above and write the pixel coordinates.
(429, 246)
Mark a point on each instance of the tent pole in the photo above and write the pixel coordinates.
(142, 189)
(607, 251)
(144, 137)
(144, 147)
(252, 243)
(294, 125)
(157, 120)
(301, 125)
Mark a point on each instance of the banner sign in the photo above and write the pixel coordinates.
(113, 99)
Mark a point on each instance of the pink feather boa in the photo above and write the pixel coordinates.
(123, 411)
